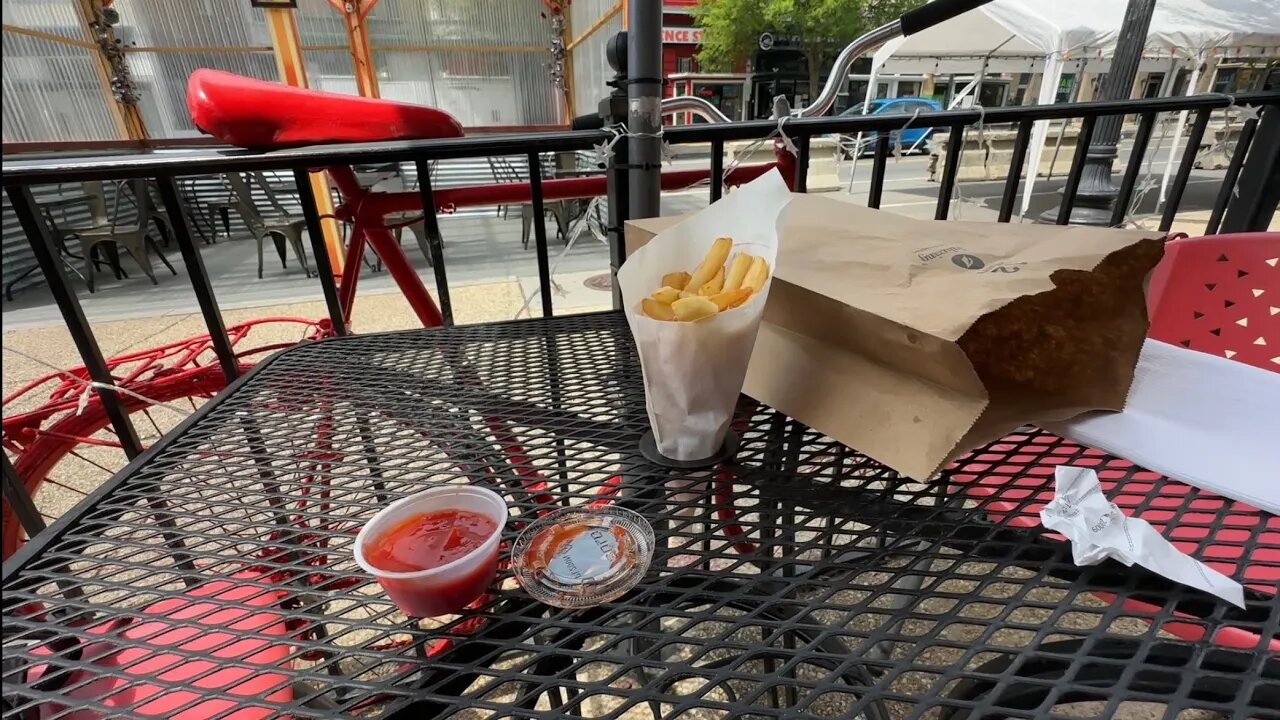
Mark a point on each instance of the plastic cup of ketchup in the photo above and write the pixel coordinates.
(435, 552)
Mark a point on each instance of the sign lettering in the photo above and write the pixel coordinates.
(682, 35)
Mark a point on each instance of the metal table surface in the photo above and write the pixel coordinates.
(213, 577)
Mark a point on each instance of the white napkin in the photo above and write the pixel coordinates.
(1098, 530)
(1207, 421)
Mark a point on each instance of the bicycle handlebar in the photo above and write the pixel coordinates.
(940, 11)
(923, 17)
(586, 122)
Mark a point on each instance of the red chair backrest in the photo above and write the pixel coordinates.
(1220, 295)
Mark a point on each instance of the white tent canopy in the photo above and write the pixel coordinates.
(1018, 35)
(1007, 29)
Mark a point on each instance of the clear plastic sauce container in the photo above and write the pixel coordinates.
(580, 557)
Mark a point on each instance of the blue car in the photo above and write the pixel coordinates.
(911, 136)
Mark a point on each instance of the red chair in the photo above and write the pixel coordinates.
(128, 653)
(1218, 295)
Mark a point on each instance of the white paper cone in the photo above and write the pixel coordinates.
(693, 372)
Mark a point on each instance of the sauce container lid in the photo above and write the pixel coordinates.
(580, 557)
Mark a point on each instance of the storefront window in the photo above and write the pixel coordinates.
(1065, 84)
(1154, 81)
(725, 96)
(992, 93)
(908, 88)
(1225, 81)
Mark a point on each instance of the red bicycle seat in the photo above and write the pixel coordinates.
(262, 115)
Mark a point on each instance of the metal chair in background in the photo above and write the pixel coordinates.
(94, 197)
(503, 171)
(160, 214)
(221, 210)
(283, 227)
(134, 236)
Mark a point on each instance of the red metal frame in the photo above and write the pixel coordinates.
(367, 210)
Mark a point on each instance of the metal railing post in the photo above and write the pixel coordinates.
(1259, 186)
(616, 179)
(205, 298)
(24, 206)
(15, 493)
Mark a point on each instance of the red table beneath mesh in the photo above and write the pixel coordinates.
(214, 577)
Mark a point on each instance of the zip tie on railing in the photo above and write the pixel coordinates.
(1149, 180)
(787, 142)
(91, 385)
(1247, 113)
(604, 150)
(981, 127)
(83, 401)
(743, 154)
(618, 131)
(897, 143)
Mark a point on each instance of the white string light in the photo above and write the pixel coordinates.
(574, 231)
(90, 385)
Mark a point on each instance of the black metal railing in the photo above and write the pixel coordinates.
(1246, 200)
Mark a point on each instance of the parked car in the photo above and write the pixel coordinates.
(912, 137)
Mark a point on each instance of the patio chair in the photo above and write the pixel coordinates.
(503, 171)
(160, 216)
(281, 228)
(133, 236)
(221, 209)
(95, 200)
(1214, 295)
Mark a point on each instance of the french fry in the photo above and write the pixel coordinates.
(694, 308)
(757, 275)
(656, 310)
(714, 285)
(737, 270)
(711, 264)
(730, 299)
(677, 280)
(666, 295)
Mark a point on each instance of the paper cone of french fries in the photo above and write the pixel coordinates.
(709, 295)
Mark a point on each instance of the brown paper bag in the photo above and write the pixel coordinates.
(914, 341)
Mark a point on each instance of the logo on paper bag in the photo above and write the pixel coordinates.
(963, 259)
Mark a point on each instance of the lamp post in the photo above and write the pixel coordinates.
(1096, 193)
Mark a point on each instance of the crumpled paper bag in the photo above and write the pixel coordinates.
(693, 372)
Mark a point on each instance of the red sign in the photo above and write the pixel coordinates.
(681, 35)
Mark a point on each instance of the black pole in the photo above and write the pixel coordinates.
(644, 105)
(1096, 193)
(1257, 192)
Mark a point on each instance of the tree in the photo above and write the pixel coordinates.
(731, 28)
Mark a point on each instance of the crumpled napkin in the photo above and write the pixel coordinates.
(1098, 530)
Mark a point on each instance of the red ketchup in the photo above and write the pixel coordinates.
(430, 540)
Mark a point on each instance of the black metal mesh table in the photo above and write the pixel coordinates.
(213, 577)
